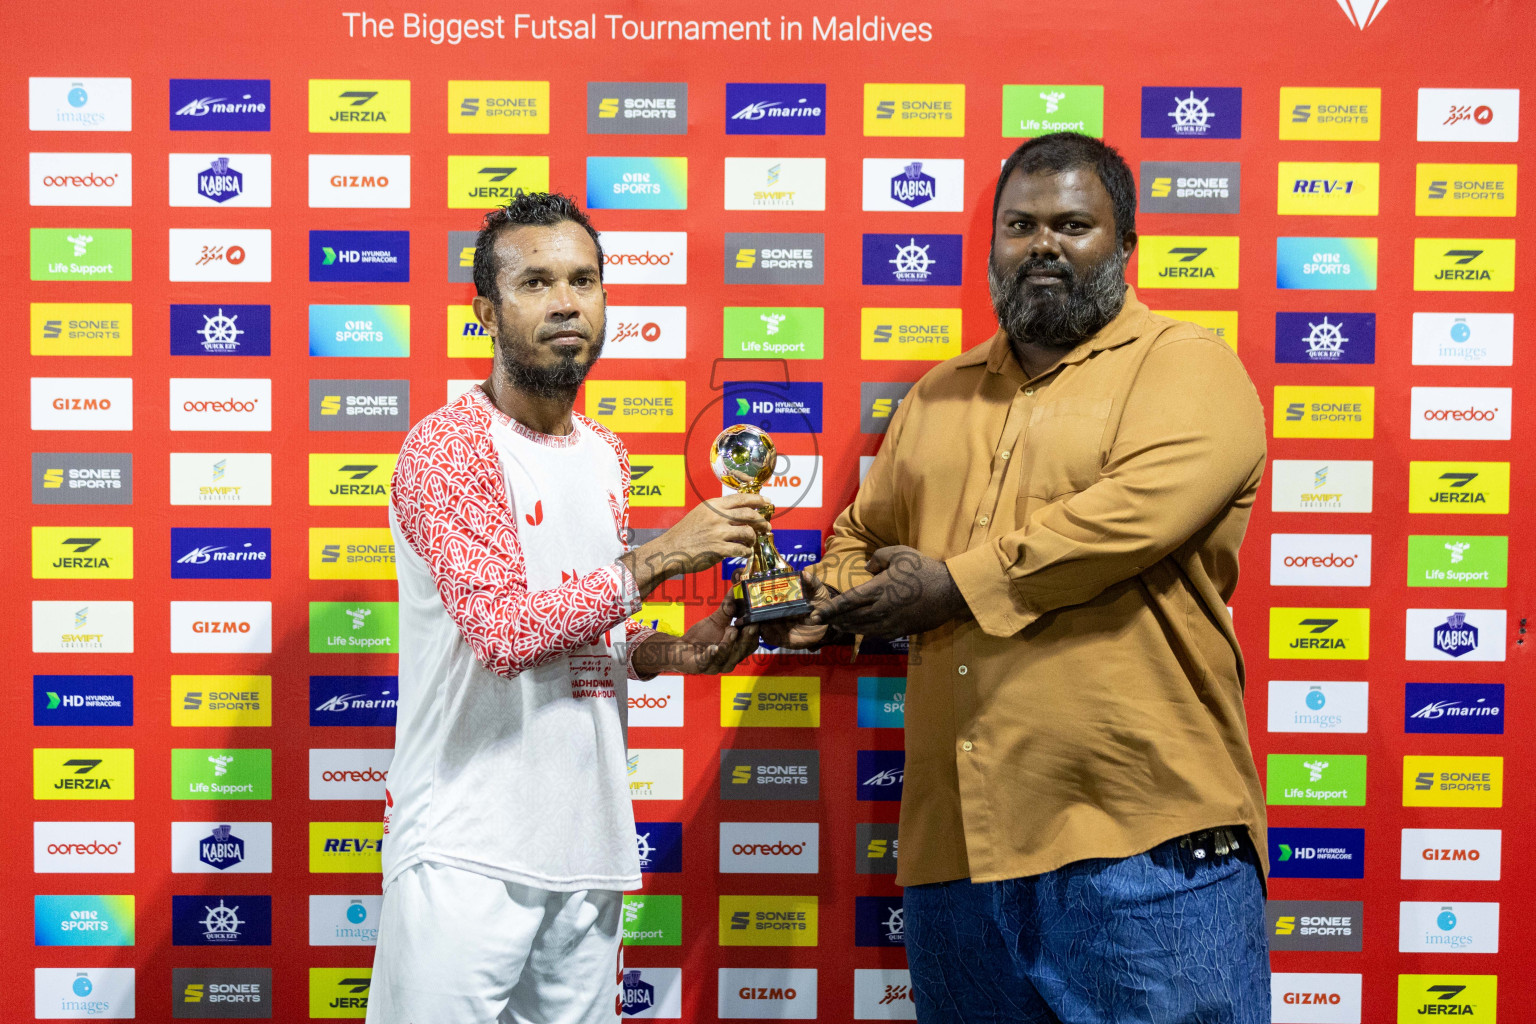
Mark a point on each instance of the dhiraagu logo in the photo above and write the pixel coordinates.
(354, 627)
(651, 920)
(639, 406)
(882, 702)
(773, 332)
(1187, 261)
(637, 183)
(1463, 264)
(1442, 561)
(901, 333)
(1314, 634)
(1468, 488)
(221, 774)
(774, 701)
(1030, 110)
(1327, 264)
(82, 920)
(360, 331)
(1317, 779)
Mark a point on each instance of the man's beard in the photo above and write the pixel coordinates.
(559, 381)
(1058, 317)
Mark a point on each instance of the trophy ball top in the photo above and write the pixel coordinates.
(743, 457)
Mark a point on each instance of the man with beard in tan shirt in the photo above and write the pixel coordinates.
(1055, 517)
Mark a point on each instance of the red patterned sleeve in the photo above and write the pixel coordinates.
(451, 504)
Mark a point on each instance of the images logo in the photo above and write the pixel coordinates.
(353, 479)
(71, 773)
(1187, 261)
(220, 180)
(657, 257)
(1462, 708)
(1331, 780)
(914, 110)
(354, 627)
(1330, 113)
(221, 920)
(1191, 113)
(1319, 707)
(1452, 853)
(337, 105)
(80, 105)
(1329, 189)
(652, 920)
(1331, 925)
(783, 332)
(769, 183)
(1330, 264)
(1030, 110)
(1311, 634)
(373, 182)
(1463, 264)
(1448, 928)
(773, 108)
(221, 105)
(82, 553)
(1471, 488)
(1443, 561)
(638, 183)
(1469, 115)
(660, 846)
(656, 481)
(1465, 190)
(1435, 634)
(763, 258)
(82, 478)
(1317, 852)
(475, 182)
(82, 920)
(912, 259)
(491, 108)
(1188, 187)
(1453, 781)
(777, 408)
(637, 108)
(101, 992)
(344, 920)
(345, 847)
(770, 775)
(82, 254)
(768, 920)
(881, 773)
(221, 330)
(360, 256)
(770, 701)
(221, 553)
(353, 700)
(1325, 338)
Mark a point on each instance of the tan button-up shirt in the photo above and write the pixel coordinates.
(1091, 517)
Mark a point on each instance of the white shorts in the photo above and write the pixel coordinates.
(457, 947)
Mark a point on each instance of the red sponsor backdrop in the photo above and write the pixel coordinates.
(1261, 48)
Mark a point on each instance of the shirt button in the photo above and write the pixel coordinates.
(1029, 391)
(962, 670)
(1006, 454)
(983, 520)
(966, 745)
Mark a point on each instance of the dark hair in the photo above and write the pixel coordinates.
(539, 209)
(1060, 150)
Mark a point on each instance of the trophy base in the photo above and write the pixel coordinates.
(771, 596)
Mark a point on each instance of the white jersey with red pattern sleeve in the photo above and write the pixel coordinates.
(510, 742)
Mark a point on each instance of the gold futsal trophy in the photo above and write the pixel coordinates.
(743, 458)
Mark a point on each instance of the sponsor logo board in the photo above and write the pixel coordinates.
(1472, 997)
(1320, 560)
(912, 259)
(475, 182)
(646, 332)
(220, 180)
(770, 183)
(1326, 338)
(904, 186)
(383, 256)
(221, 701)
(213, 847)
(660, 846)
(351, 553)
(220, 254)
(653, 920)
(1468, 488)
(221, 627)
(82, 552)
(1465, 190)
(1327, 485)
(221, 553)
(639, 406)
(221, 329)
(1465, 708)
(354, 627)
(1328, 189)
(81, 328)
(1323, 706)
(1315, 998)
(1463, 264)
(97, 993)
(350, 479)
(1324, 411)
(348, 181)
(1187, 261)
(82, 403)
(83, 847)
(221, 403)
(1342, 634)
(221, 105)
(637, 108)
(1439, 634)
(80, 105)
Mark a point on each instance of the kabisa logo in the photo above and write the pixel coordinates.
(82, 700)
(1462, 708)
(505, 108)
(660, 846)
(1352, 114)
(768, 920)
(353, 700)
(221, 330)
(339, 991)
(637, 108)
(1327, 338)
(775, 108)
(1325, 411)
(1184, 112)
(924, 184)
(82, 553)
(925, 109)
(793, 408)
(221, 180)
(1320, 633)
(221, 553)
(651, 992)
(637, 183)
(878, 921)
(1329, 189)
(912, 188)
(1329, 264)
(762, 258)
(359, 405)
(880, 774)
(770, 774)
(221, 849)
(1469, 115)
(1317, 852)
(912, 259)
(377, 105)
(80, 104)
(1457, 636)
(1465, 190)
(1453, 781)
(83, 920)
(1188, 187)
(1463, 264)
(1459, 487)
(82, 254)
(221, 104)
(1458, 561)
(475, 182)
(1031, 110)
(1187, 261)
(360, 256)
(221, 920)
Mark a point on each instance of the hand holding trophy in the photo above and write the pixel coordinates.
(743, 457)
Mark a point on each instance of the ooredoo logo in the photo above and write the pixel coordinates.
(81, 179)
(214, 403)
(645, 257)
(82, 846)
(656, 702)
(1320, 560)
(1461, 414)
(769, 847)
(348, 774)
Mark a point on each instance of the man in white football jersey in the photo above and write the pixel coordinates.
(509, 836)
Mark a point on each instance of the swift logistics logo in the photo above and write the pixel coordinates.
(655, 774)
(350, 479)
(353, 182)
(82, 920)
(768, 183)
(354, 627)
(907, 333)
(221, 774)
(221, 920)
(89, 627)
(1031, 110)
(637, 183)
(82, 553)
(357, 331)
(1187, 261)
(764, 332)
(778, 408)
(770, 701)
(1184, 186)
(1329, 189)
(1459, 708)
(222, 329)
(1458, 561)
(353, 700)
(498, 108)
(351, 553)
(1319, 925)
(912, 259)
(774, 258)
(1185, 112)
(80, 328)
(768, 920)
(1461, 414)
(80, 104)
(1324, 411)
(878, 402)
(653, 920)
(1463, 264)
(82, 700)
(1318, 707)
(1326, 338)
(1317, 852)
(1434, 781)
(1468, 488)
(75, 773)
(1469, 115)
(221, 553)
(770, 774)
(775, 108)
(344, 920)
(213, 478)
(339, 991)
(904, 186)
(637, 108)
(337, 405)
(770, 847)
(82, 403)
(221, 701)
(1452, 854)
(221, 105)
(1312, 634)
(383, 256)
(1327, 113)
(81, 254)
(1324, 780)
(345, 847)
(360, 105)
(82, 478)
(1440, 634)
(475, 182)
(1465, 190)
(1326, 264)
(1463, 339)
(639, 406)
(910, 110)
(1471, 997)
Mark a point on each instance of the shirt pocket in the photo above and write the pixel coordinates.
(1063, 448)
